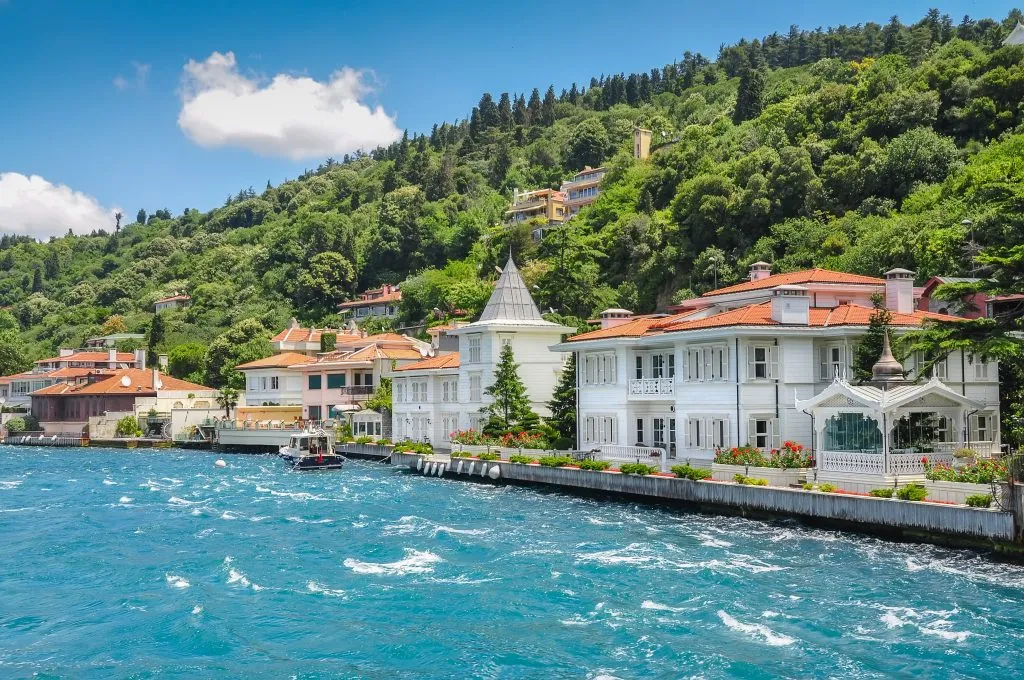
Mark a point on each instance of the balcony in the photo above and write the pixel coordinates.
(652, 388)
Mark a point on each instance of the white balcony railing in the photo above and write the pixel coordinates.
(900, 462)
(645, 387)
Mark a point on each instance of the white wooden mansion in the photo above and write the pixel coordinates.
(442, 394)
(743, 365)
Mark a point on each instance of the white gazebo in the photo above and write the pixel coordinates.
(888, 428)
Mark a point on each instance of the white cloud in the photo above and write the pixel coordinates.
(138, 82)
(295, 117)
(33, 206)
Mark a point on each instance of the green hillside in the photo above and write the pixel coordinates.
(858, 148)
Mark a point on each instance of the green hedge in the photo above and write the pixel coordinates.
(690, 472)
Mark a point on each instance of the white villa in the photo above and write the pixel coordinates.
(761, 362)
(442, 394)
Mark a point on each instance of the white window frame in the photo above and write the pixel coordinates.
(474, 387)
(473, 343)
(831, 362)
(659, 432)
(768, 437)
(599, 368)
(706, 363)
(599, 428)
(983, 427)
(770, 362)
(275, 382)
(980, 367)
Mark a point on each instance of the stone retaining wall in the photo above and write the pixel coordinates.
(919, 520)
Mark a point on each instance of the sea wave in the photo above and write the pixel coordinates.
(236, 576)
(177, 581)
(11, 484)
(758, 631)
(658, 607)
(414, 562)
(125, 499)
(315, 587)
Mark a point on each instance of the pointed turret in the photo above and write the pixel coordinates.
(511, 301)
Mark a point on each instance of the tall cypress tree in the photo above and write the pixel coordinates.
(563, 406)
(157, 332)
(533, 109)
(547, 110)
(750, 97)
(505, 112)
(870, 346)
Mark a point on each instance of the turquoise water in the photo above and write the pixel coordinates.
(145, 564)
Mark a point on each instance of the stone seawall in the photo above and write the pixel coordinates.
(955, 525)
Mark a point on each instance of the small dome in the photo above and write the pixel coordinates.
(886, 369)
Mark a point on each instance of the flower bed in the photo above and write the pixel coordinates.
(509, 440)
(957, 492)
(775, 476)
(791, 455)
(983, 471)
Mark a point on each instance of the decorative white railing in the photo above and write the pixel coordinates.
(900, 463)
(651, 386)
(618, 453)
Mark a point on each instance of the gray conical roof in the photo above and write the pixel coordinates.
(887, 369)
(511, 300)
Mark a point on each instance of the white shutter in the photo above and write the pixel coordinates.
(773, 362)
(688, 435)
(751, 370)
(751, 432)
(823, 363)
(776, 433)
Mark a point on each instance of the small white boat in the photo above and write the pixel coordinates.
(311, 450)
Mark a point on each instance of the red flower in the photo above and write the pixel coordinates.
(924, 460)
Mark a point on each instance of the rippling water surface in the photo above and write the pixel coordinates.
(117, 564)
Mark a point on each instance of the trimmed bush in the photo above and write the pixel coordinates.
(489, 456)
(750, 481)
(520, 458)
(827, 488)
(636, 469)
(979, 500)
(594, 465)
(364, 440)
(556, 461)
(383, 442)
(690, 472)
(808, 487)
(882, 493)
(460, 454)
(912, 492)
(415, 447)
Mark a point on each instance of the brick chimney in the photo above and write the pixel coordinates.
(760, 270)
(899, 291)
(610, 318)
(790, 305)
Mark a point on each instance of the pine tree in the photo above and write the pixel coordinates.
(140, 216)
(510, 409)
(533, 109)
(750, 98)
(563, 407)
(505, 112)
(37, 280)
(869, 349)
(519, 111)
(547, 111)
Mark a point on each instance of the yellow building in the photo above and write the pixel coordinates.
(641, 143)
(545, 204)
(582, 189)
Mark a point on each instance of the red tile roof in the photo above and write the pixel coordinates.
(634, 328)
(174, 298)
(797, 278)
(139, 381)
(440, 361)
(393, 296)
(282, 360)
(126, 357)
(760, 314)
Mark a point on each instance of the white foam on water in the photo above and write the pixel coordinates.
(315, 587)
(768, 614)
(125, 499)
(631, 554)
(464, 580)
(415, 562)
(258, 518)
(298, 495)
(301, 520)
(10, 484)
(658, 607)
(235, 576)
(710, 541)
(177, 581)
(174, 500)
(196, 512)
(465, 532)
(758, 631)
(204, 533)
(899, 617)
(602, 523)
(262, 489)
(358, 525)
(109, 482)
(197, 610)
(227, 514)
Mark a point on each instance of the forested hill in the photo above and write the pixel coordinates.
(857, 148)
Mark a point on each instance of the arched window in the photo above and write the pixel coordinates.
(854, 432)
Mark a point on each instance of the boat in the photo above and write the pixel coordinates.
(311, 450)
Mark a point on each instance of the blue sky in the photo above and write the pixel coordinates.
(100, 104)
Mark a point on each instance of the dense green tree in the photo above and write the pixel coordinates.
(510, 409)
(869, 349)
(587, 145)
(188, 361)
(750, 97)
(563, 407)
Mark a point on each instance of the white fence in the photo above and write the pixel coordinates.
(874, 463)
(649, 455)
(651, 387)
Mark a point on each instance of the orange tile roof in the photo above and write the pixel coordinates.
(800, 277)
(300, 334)
(634, 328)
(393, 296)
(174, 298)
(75, 372)
(760, 314)
(282, 360)
(89, 356)
(440, 361)
(140, 381)
(374, 352)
